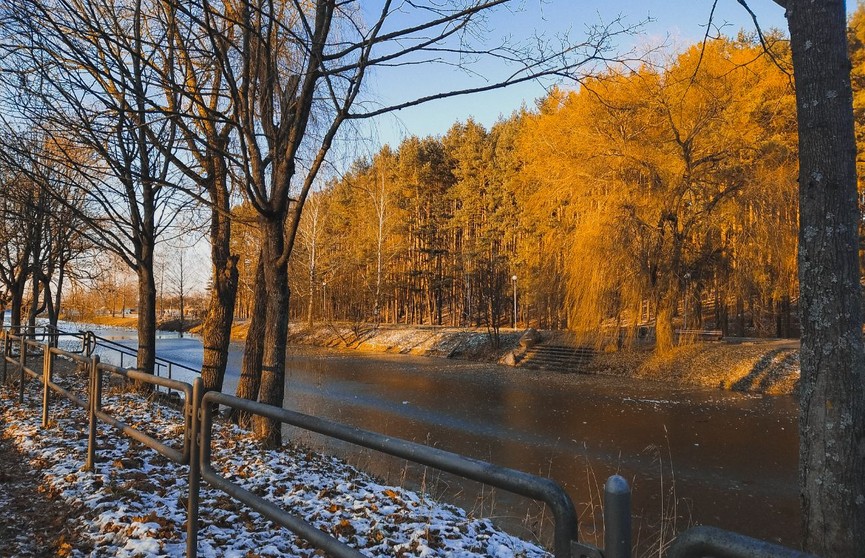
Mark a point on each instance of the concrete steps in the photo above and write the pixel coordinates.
(560, 358)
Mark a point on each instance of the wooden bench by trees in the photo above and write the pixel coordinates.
(701, 334)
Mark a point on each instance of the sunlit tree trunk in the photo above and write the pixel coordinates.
(272, 387)
(223, 294)
(250, 371)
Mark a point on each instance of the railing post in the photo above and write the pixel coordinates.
(22, 363)
(5, 352)
(617, 518)
(47, 369)
(95, 390)
(194, 471)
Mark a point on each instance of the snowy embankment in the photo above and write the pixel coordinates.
(135, 500)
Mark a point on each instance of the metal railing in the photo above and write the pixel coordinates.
(163, 367)
(517, 482)
(198, 422)
(180, 457)
(702, 541)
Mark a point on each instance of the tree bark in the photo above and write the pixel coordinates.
(17, 301)
(272, 389)
(250, 371)
(223, 295)
(146, 318)
(832, 385)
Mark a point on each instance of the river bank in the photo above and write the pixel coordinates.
(768, 366)
(570, 427)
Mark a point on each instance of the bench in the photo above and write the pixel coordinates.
(701, 334)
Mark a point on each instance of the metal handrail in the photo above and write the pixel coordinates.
(517, 482)
(160, 363)
(48, 370)
(702, 541)
(180, 457)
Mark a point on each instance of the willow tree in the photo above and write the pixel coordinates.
(655, 163)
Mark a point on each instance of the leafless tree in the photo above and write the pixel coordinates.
(76, 70)
(196, 98)
(17, 225)
(295, 72)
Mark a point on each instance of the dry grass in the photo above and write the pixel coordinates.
(769, 367)
(114, 321)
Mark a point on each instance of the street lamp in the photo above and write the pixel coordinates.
(514, 279)
(324, 300)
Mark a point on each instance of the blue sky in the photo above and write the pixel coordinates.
(675, 22)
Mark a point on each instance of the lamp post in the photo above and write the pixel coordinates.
(324, 300)
(685, 303)
(514, 279)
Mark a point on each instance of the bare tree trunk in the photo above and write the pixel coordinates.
(272, 387)
(250, 372)
(17, 303)
(54, 315)
(35, 285)
(146, 317)
(223, 297)
(832, 385)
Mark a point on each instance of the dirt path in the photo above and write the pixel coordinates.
(33, 521)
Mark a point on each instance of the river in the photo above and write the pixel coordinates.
(693, 456)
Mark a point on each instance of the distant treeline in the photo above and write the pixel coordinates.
(665, 193)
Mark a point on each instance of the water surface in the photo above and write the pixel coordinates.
(702, 456)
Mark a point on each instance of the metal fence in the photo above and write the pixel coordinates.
(198, 418)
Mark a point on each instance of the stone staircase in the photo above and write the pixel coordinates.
(560, 358)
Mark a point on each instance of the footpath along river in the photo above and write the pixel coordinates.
(704, 456)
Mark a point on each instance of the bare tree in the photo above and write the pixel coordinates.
(16, 237)
(196, 98)
(295, 71)
(76, 70)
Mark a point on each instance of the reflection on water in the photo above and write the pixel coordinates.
(724, 459)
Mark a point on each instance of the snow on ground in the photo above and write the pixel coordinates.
(135, 499)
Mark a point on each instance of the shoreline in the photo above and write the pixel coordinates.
(767, 366)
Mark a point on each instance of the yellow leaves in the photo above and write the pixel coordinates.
(165, 527)
(64, 549)
(344, 529)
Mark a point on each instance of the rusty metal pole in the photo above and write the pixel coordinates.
(92, 406)
(5, 353)
(194, 472)
(47, 369)
(22, 364)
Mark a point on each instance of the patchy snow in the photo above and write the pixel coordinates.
(135, 499)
